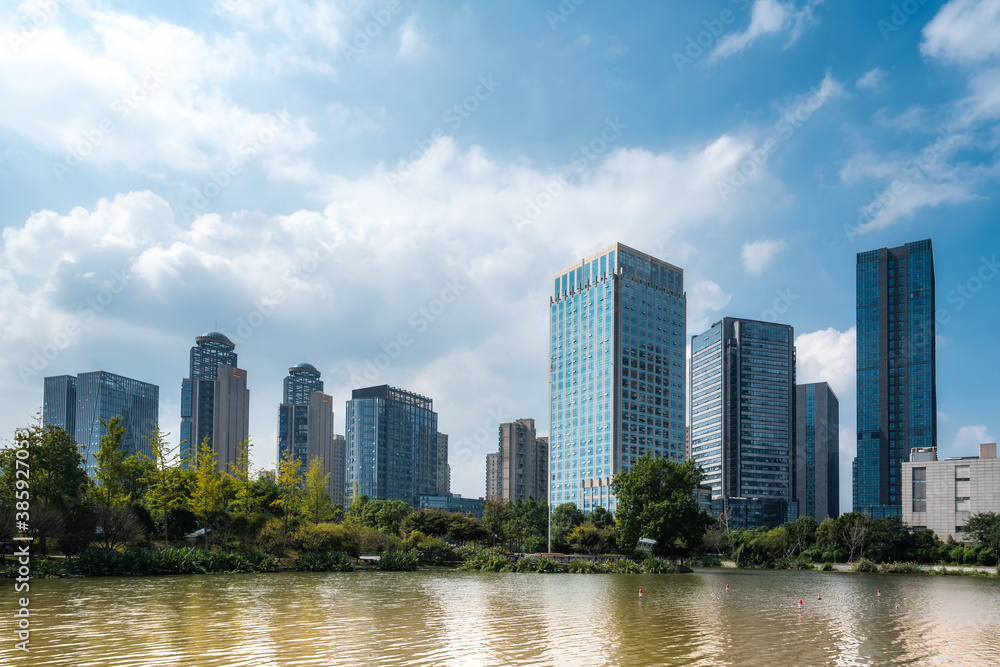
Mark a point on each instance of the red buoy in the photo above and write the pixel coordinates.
(880, 592)
(727, 587)
(640, 593)
(800, 604)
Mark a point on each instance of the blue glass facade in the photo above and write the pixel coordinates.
(98, 396)
(742, 410)
(897, 394)
(59, 402)
(617, 344)
(817, 450)
(392, 444)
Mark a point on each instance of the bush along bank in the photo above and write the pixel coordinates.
(147, 562)
(495, 560)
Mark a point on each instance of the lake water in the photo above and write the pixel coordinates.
(457, 618)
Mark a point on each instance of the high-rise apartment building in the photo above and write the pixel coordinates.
(742, 413)
(494, 478)
(897, 395)
(215, 401)
(392, 444)
(521, 463)
(79, 404)
(817, 451)
(305, 424)
(617, 343)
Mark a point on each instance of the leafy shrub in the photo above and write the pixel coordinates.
(579, 566)
(487, 560)
(985, 557)
(623, 566)
(329, 561)
(654, 565)
(525, 565)
(706, 561)
(825, 567)
(900, 568)
(397, 561)
(864, 565)
(547, 565)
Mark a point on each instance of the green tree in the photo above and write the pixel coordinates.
(589, 539)
(205, 497)
(164, 481)
(565, 518)
(656, 499)
(111, 469)
(241, 483)
(984, 528)
(429, 521)
(602, 518)
(290, 485)
(317, 506)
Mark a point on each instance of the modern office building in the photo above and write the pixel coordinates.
(897, 395)
(742, 414)
(83, 402)
(616, 380)
(215, 401)
(305, 424)
(392, 444)
(338, 478)
(522, 463)
(942, 495)
(59, 402)
(817, 451)
(453, 502)
(443, 468)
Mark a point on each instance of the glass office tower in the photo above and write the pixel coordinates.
(98, 396)
(616, 381)
(897, 386)
(392, 444)
(742, 415)
(817, 450)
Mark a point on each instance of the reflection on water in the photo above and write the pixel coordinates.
(456, 618)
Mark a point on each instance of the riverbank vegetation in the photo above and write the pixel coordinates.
(164, 515)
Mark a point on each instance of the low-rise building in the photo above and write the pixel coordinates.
(942, 495)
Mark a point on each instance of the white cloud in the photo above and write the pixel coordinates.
(758, 255)
(704, 296)
(412, 42)
(964, 31)
(145, 94)
(768, 17)
(968, 439)
(828, 356)
(871, 79)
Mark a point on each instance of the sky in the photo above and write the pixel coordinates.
(385, 188)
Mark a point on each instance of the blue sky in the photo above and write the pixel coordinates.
(322, 180)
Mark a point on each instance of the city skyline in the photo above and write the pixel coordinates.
(393, 213)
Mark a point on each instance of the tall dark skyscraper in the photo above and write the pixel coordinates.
(305, 423)
(392, 444)
(817, 451)
(742, 415)
(616, 374)
(215, 401)
(79, 404)
(897, 385)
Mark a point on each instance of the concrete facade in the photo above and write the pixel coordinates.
(942, 495)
